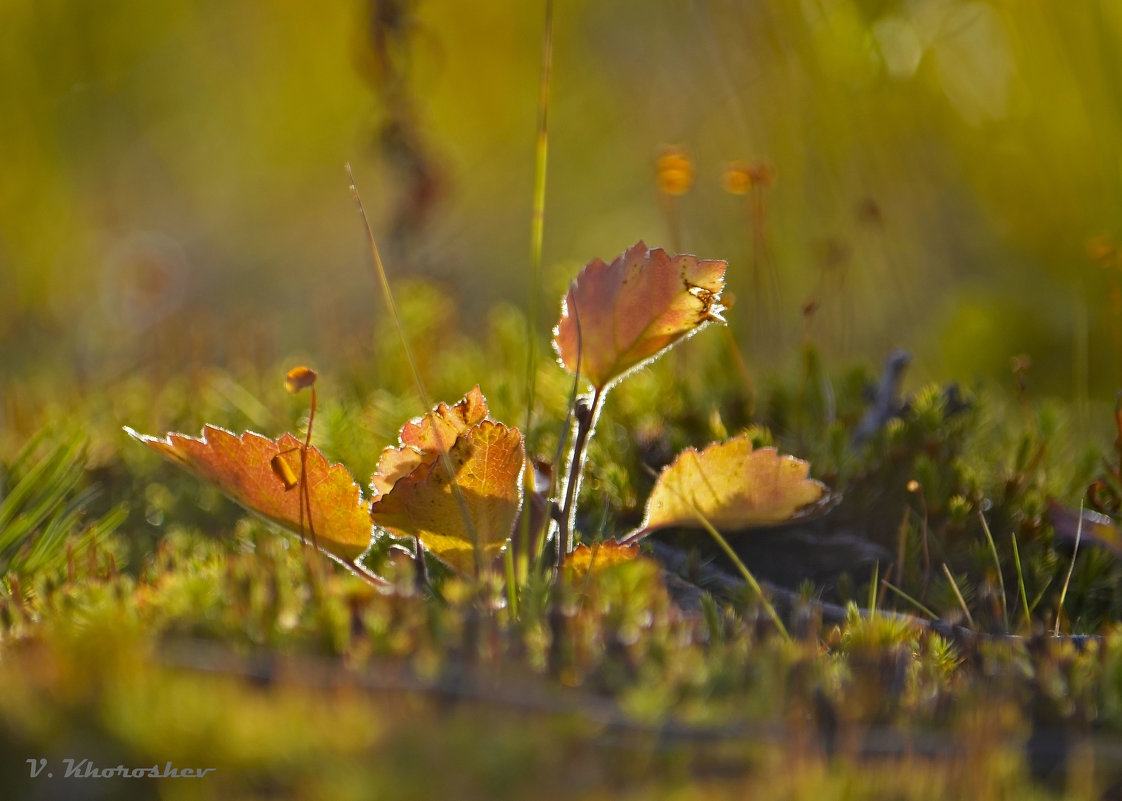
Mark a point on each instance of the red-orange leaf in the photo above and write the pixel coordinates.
(732, 486)
(618, 316)
(487, 466)
(243, 468)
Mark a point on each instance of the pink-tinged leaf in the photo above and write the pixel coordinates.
(730, 485)
(454, 515)
(243, 468)
(618, 316)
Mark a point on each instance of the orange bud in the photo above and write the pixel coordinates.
(675, 171)
(762, 172)
(1101, 248)
(283, 470)
(299, 378)
(738, 178)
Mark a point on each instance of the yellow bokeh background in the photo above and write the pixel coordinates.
(172, 177)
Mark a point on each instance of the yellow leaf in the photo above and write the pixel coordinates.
(475, 506)
(732, 486)
(592, 558)
(423, 438)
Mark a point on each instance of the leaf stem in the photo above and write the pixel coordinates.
(586, 425)
(362, 572)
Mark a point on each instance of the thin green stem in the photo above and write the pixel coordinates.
(1021, 581)
(997, 566)
(1070, 570)
(958, 595)
(1040, 595)
(511, 583)
(305, 490)
(889, 585)
(537, 237)
(873, 590)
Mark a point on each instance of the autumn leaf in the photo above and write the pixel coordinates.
(452, 514)
(618, 316)
(732, 486)
(586, 559)
(242, 467)
(440, 427)
(423, 439)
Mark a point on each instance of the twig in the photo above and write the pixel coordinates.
(586, 424)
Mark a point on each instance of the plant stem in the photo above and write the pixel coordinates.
(511, 582)
(586, 424)
(997, 567)
(911, 600)
(747, 574)
(1021, 581)
(1070, 570)
(306, 493)
(537, 235)
(361, 571)
(958, 595)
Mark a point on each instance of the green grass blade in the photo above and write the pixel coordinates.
(997, 566)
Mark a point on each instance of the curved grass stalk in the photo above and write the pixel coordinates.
(387, 296)
(746, 573)
(997, 567)
(1070, 570)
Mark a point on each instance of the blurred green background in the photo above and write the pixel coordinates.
(948, 175)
